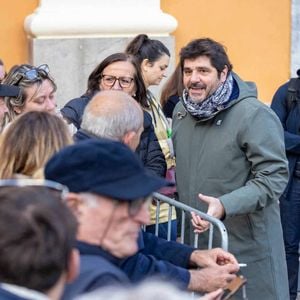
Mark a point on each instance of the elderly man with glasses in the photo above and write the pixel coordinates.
(110, 194)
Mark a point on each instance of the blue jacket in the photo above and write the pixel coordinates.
(98, 268)
(73, 110)
(6, 295)
(290, 121)
(159, 257)
(156, 258)
(148, 150)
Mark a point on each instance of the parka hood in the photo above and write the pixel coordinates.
(246, 88)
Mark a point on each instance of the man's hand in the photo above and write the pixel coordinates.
(216, 295)
(215, 209)
(212, 257)
(211, 278)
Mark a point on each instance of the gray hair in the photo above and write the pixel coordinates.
(111, 114)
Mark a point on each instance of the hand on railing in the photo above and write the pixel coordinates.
(215, 209)
(200, 225)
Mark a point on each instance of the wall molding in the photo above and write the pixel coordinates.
(98, 18)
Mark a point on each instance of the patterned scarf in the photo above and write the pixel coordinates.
(211, 105)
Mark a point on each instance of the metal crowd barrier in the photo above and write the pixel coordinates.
(188, 209)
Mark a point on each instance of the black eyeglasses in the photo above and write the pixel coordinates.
(34, 73)
(134, 206)
(124, 81)
(52, 185)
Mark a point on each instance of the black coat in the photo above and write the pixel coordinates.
(148, 150)
(290, 120)
(170, 105)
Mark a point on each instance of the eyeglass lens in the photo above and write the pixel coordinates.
(135, 206)
(124, 81)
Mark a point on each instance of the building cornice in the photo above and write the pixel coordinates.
(98, 18)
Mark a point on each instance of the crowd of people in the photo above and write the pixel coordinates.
(76, 183)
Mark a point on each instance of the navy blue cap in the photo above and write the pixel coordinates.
(103, 167)
(9, 90)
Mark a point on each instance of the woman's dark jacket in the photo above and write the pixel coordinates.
(169, 106)
(148, 150)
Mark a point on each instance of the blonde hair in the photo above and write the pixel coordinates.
(28, 143)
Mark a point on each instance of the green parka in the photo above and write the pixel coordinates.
(239, 157)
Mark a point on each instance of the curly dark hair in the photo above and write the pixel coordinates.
(206, 47)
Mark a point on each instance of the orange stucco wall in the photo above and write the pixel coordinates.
(13, 43)
(256, 34)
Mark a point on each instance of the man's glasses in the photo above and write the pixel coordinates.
(124, 82)
(34, 73)
(52, 185)
(134, 206)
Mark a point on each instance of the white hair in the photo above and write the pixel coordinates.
(111, 114)
(90, 199)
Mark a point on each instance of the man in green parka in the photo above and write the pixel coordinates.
(231, 163)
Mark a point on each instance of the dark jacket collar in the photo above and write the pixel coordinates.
(89, 249)
(82, 135)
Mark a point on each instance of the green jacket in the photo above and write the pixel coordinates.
(239, 157)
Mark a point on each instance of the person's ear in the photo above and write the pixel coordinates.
(129, 138)
(73, 201)
(223, 74)
(133, 93)
(17, 110)
(145, 65)
(73, 266)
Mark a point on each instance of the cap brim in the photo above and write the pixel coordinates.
(133, 187)
(9, 90)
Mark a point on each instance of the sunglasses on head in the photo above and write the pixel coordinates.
(33, 73)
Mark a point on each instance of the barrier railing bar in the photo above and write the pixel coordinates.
(214, 221)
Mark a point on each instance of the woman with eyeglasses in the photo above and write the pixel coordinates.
(153, 57)
(120, 71)
(37, 90)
